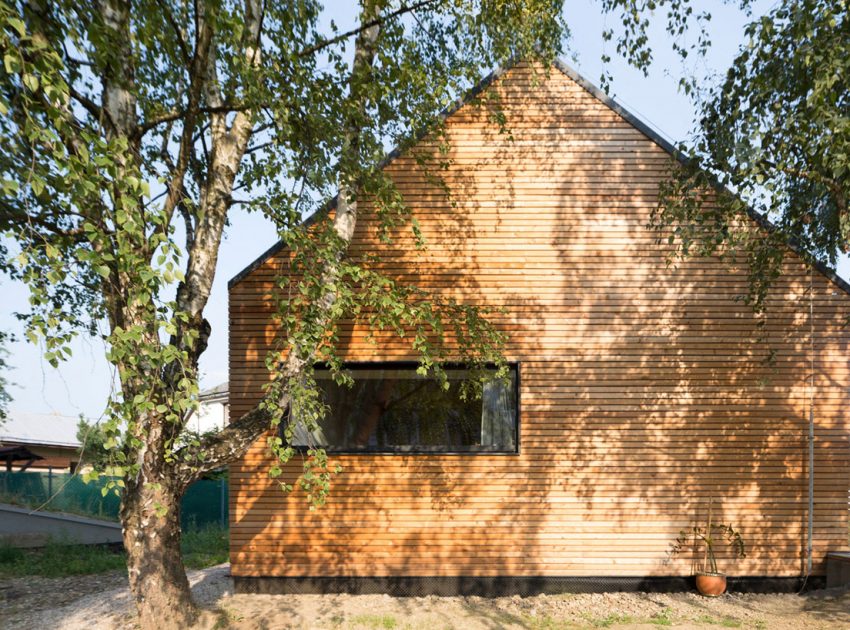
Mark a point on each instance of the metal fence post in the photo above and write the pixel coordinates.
(49, 482)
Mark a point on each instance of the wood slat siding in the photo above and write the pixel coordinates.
(643, 387)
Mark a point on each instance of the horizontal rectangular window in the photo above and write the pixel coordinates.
(391, 408)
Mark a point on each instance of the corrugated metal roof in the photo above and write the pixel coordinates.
(50, 429)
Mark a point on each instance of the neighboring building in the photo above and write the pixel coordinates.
(51, 437)
(212, 412)
(640, 391)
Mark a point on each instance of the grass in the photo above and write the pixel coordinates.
(547, 622)
(725, 622)
(205, 547)
(614, 619)
(202, 548)
(662, 617)
(375, 622)
(57, 560)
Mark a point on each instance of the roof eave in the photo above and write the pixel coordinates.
(15, 441)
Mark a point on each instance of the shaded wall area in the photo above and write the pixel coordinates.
(645, 388)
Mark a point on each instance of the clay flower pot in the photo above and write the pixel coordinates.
(711, 584)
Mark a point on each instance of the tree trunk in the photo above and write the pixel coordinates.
(150, 519)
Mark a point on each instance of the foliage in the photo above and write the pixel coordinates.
(776, 134)
(93, 451)
(92, 439)
(707, 536)
(128, 136)
(633, 19)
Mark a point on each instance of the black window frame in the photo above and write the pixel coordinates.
(353, 366)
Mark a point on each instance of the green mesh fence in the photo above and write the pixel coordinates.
(204, 504)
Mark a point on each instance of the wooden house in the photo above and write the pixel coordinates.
(639, 390)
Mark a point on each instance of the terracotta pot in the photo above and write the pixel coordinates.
(711, 584)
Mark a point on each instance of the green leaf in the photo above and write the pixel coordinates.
(37, 185)
(18, 25)
(31, 81)
(11, 63)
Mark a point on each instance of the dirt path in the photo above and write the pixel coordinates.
(102, 601)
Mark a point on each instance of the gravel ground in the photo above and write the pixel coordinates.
(102, 601)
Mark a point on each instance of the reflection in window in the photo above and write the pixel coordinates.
(396, 409)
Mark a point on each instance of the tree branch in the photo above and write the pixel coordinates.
(181, 40)
(11, 217)
(218, 449)
(225, 108)
(835, 187)
(197, 79)
(90, 106)
(378, 21)
(258, 147)
(228, 149)
(177, 114)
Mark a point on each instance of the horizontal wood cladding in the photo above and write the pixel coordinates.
(645, 389)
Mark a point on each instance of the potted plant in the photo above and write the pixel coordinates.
(710, 581)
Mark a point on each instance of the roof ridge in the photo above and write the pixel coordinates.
(607, 100)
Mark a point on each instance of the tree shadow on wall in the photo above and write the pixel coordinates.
(644, 389)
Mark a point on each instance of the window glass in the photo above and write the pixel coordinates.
(395, 409)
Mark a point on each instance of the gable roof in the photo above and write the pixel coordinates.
(606, 100)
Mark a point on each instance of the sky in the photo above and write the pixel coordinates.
(82, 384)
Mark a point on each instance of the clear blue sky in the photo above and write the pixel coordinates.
(82, 384)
